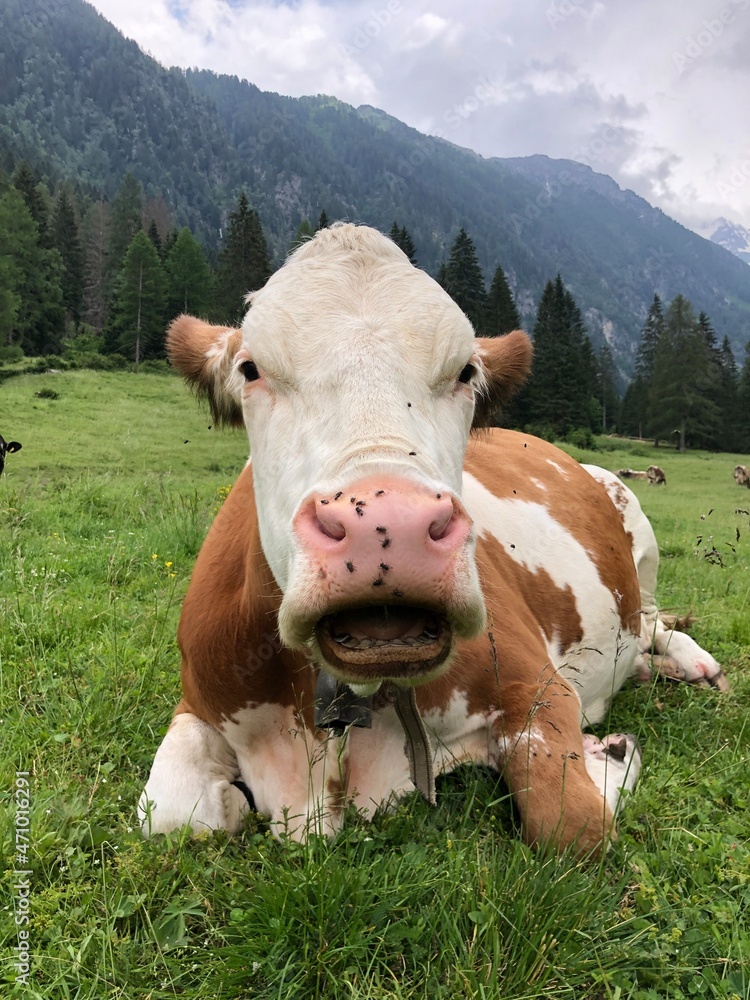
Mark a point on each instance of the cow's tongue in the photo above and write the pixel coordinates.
(382, 623)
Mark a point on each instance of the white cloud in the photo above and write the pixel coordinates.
(654, 94)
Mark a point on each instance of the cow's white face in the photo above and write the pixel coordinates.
(359, 369)
(356, 378)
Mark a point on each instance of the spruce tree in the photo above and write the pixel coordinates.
(126, 221)
(323, 221)
(501, 315)
(561, 394)
(137, 326)
(303, 233)
(67, 241)
(37, 201)
(728, 400)
(244, 264)
(153, 234)
(189, 278)
(402, 238)
(681, 403)
(743, 402)
(34, 316)
(607, 394)
(464, 281)
(96, 234)
(645, 358)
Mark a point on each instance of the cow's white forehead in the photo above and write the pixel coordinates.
(350, 294)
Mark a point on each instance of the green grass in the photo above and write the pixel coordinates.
(102, 514)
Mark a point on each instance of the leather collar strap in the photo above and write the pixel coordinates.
(418, 749)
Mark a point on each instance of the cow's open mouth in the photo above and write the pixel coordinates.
(398, 642)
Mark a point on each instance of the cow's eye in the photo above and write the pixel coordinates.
(467, 373)
(250, 371)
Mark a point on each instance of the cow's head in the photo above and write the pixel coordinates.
(359, 380)
(6, 446)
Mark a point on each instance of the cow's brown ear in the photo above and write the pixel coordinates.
(204, 355)
(506, 363)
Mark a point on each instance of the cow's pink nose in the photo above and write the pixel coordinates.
(428, 515)
(387, 533)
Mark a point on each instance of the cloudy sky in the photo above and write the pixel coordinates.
(655, 93)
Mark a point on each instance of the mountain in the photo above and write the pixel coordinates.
(79, 101)
(733, 237)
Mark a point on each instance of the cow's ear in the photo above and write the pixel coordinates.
(506, 364)
(14, 446)
(204, 355)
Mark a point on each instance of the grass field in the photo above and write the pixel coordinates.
(101, 516)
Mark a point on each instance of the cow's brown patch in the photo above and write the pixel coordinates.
(532, 469)
(228, 633)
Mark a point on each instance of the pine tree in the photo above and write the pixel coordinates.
(561, 394)
(743, 402)
(303, 233)
(96, 229)
(153, 234)
(126, 221)
(66, 240)
(728, 400)
(244, 265)
(607, 394)
(189, 278)
(639, 399)
(323, 221)
(681, 389)
(137, 327)
(501, 315)
(402, 238)
(33, 314)
(37, 201)
(464, 281)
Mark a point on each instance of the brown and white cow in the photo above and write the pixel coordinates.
(632, 474)
(655, 476)
(463, 600)
(741, 475)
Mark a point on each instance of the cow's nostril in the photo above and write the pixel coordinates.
(329, 524)
(441, 524)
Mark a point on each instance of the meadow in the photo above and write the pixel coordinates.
(101, 516)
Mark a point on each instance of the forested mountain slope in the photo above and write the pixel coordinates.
(80, 102)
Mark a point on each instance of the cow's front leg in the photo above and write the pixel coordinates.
(192, 781)
(541, 753)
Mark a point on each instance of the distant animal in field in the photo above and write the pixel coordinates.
(742, 475)
(632, 474)
(5, 447)
(383, 597)
(656, 476)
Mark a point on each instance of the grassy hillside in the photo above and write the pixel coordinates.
(102, 513)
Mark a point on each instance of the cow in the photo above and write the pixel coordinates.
(742, 475)
(5, 447)
(384, 595)
(655, 476)
(632, 474)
